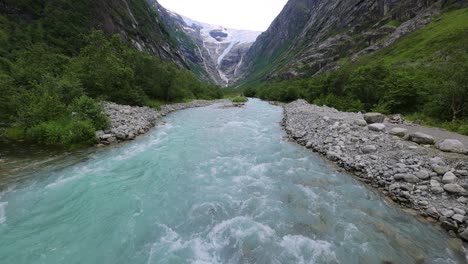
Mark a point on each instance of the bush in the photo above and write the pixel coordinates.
(85, 108)
(240, 99)
(66, 133)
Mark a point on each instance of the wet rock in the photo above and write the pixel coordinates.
(451, 145)
(379, 127)
(372, 118)
(464, 235)
(421, 138)
(399, 132)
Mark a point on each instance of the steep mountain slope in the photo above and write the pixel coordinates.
(313, 36)
(216, 50)
(66, 21)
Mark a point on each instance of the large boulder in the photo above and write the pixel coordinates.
(372, 118)
(422, 138)
(455, 189)
(398, 131)
(379, 127)
(449, 177)
(451, 145)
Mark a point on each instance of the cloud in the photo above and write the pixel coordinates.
(239, 14)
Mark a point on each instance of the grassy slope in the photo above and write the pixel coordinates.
(448, 33)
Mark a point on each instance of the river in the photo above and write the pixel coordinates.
(212, 185)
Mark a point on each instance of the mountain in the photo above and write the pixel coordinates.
(66, 22)
(313, 36)
(218, 50)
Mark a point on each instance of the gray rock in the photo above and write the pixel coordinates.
(447, 213)
(379, 127)
(449, 177)
(461, 172)
(372, 118)
(458, 218)
(441, 170)
(400, 176)
(459, 211)
(421, 138)
(398, 131)
(451, 145)
(360, 122)
(422, 174)
(463, 200)
(369, 149)
(411, 178)
(437, 190)
(454, 188)
(464, 235)
(434, 183)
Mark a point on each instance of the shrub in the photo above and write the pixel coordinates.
(240, 99)
(85, 108)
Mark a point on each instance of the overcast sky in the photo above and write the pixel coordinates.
(238, 14)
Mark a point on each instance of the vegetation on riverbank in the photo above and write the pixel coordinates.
(424, 75)
(51, 87)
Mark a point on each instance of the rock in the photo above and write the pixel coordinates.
(398, 131)
(377, 127)
(369, 149)
(449, 177)
(432, 211)
(360, 122)
(112, 140)
(458, 218)
(441, 170)
(372, 118)
(462, 200)
(400, 176)
(451, 145)
(434, 183)
(422, 174)
(437, 190)
(461, 172)
(421, 138)
(105, 136)
(131, 136)
(459, 211)
(447, 213)
(464, 235)
(411, 178)
(454, 188)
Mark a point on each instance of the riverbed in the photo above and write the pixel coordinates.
(213, 185)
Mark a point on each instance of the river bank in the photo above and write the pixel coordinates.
(128, 122)
(417, 176)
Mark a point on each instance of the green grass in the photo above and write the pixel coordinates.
(445, 34)
(394, 23)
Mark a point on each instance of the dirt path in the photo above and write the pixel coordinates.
(438, 133)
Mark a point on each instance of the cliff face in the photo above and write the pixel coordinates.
(313, 36)
(67, 21)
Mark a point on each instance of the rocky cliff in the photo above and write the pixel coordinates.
(313, 36)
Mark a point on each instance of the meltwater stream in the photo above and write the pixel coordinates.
(211, 186)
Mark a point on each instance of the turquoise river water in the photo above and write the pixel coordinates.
(213, 185)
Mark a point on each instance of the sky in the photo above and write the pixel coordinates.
(238, 14)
